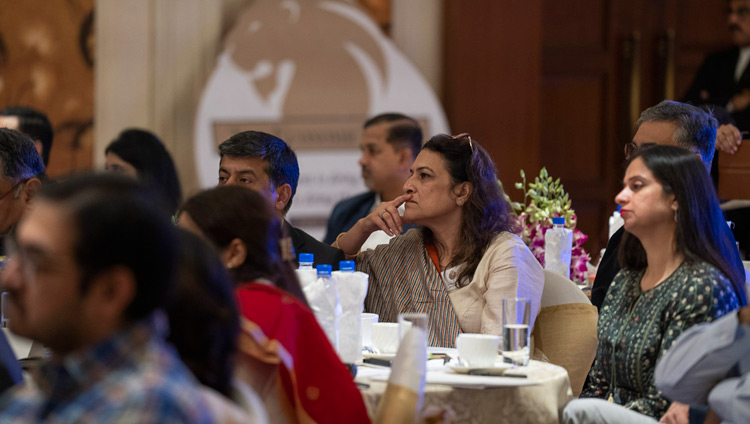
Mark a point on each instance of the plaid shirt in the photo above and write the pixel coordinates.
(134, 377)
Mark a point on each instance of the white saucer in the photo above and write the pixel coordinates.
(497, 367)
(379, 355)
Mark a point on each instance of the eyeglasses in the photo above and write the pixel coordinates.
(631, 149)
(462, 136)
(16, 186)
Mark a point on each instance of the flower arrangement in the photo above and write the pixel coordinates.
(542, 200)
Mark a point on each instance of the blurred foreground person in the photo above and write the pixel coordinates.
(203, 326)
(710, 365)
(283, 353)
(90, 267)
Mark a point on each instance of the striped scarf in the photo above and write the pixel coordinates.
(404, 279)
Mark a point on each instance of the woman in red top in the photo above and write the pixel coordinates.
(281, 344)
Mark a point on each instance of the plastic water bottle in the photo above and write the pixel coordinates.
(558, 245)
(306, 273)
(330, 311)
(615, 222)
(306, 261)
(346, 266)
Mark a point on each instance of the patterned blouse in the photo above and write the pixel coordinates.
(637, 328)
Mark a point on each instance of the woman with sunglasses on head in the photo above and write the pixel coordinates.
(678, 262)
(462, 260)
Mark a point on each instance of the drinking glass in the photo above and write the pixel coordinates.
(516, 318)
(366, 320)
(412, 319)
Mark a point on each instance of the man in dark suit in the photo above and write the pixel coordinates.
(390, 142)
(723, 83)
(266, 164)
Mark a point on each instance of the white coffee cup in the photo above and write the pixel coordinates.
(385, 337)
(367, 320)
(478, 350)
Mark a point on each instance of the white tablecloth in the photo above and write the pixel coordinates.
(539, 398)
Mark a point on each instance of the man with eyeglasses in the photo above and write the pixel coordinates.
(20, 178)
(674, 124)
(668, 123)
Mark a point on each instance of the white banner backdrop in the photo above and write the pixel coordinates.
(310, 72)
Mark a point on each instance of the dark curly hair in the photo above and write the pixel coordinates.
(487, 213)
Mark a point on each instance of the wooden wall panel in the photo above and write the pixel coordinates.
(583, 120)
(492, 78)
(566, 27)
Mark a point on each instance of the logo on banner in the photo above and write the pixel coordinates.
(310, 72)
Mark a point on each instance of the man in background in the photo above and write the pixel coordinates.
(32, 123)
(91, 267)
(266, 164)
(390, 143)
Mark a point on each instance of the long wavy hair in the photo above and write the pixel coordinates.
(233, 212)
(486, 213)
(702, 233)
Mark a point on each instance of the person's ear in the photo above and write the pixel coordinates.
(462, 192)
(111, 293)
(30, 189)
(283, 196)
(234, 254)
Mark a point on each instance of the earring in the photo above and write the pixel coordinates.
(460, 202)
(230, 265)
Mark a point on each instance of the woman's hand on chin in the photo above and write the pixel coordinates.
(386, 217)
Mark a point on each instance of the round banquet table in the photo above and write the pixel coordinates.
(539, 398)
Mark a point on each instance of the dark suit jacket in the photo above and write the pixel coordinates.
(347, 212)
(714, 84)
(607, 269)
(305, 243)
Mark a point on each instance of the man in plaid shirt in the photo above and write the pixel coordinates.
(89, 269)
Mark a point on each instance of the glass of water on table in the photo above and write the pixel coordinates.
(516, 334)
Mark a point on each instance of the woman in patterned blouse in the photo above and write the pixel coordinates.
(462, 260)
(679, 268)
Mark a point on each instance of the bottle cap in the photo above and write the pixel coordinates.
(346, 266)
(324, 270)
(558, 220)
(306, 258)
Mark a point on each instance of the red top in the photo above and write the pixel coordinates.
(278, 329)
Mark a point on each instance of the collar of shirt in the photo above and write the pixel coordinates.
(82, 369)
(742, 61)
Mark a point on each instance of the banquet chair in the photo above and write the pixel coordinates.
(565, 330)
